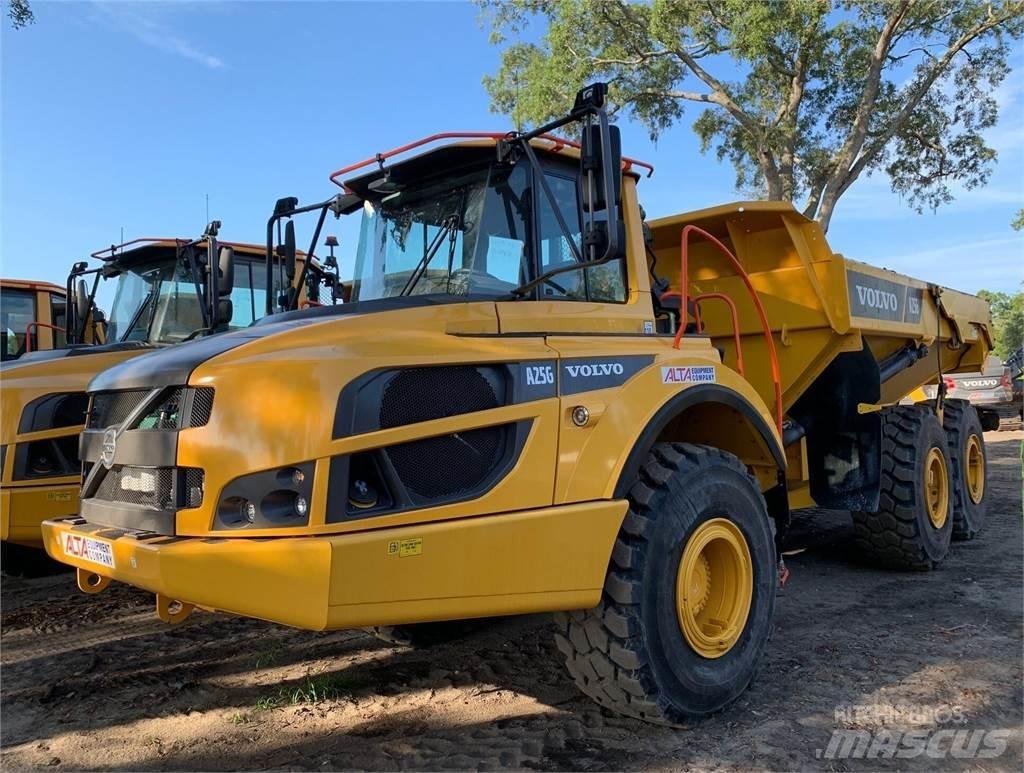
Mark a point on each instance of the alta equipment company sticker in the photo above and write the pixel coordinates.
(90, 549)
(688, 374)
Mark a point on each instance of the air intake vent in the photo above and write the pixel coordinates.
(448, 465)
(109, 409)
(422, 394)
(202, 406)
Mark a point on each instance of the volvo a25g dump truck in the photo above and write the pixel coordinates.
(537, 402)
(162, 295)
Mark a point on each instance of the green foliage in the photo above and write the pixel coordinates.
(1017, 224)
(313, 689)
(20, 13)
(1007, 321)
(822, 91)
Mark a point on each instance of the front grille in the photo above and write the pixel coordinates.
(109, 409)
(158, 488)
(202, 406)
(138, 479)
(166, 414)
(170, 412)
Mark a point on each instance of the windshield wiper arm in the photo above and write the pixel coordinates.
(137, 315)
(449, 227)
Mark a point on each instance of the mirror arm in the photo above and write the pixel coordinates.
(280, 214)
(300, 282)
(92, 307)
(193, 268)
(213, 278)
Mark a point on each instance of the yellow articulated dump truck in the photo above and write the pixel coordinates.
(537, 402)
(162, 295)
(33, 317)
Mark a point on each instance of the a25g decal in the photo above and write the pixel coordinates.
(539, 375)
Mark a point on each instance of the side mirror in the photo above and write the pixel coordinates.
(226, 264)
(81, 301)
(289, 250)
(225, 309)
(601, 166)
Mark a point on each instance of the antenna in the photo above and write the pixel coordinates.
(207, 207)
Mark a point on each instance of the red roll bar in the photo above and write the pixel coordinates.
(684, 279)
(557, 144)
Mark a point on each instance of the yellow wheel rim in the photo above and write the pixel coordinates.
(714, 587)
(936, 488)
(974, 460)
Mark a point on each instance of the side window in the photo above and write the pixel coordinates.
(555, 250)
(249, 295)
(17, 311)
(600, 283)
(59, 312)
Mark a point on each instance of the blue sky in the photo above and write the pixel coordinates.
(126, 115)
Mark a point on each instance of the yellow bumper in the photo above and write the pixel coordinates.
(24, 508)
(514, 563)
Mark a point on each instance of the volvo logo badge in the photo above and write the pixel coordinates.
(109, 447)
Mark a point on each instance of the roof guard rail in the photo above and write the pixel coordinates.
(557, 144)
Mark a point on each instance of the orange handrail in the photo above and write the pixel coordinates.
(684, 280)
(28, 332)
(735, 322)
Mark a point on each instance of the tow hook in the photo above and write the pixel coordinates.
(172, 611)
(90, 582)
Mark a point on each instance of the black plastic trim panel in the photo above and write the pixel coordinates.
(399, 498)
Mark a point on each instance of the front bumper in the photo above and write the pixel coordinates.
(533, 561)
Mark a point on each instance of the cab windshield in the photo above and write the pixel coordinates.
(159, 302)
(459, 235)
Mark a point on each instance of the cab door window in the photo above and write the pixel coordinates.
(604, 283)
(59, 314)
(17, 312)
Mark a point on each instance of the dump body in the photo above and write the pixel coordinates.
(818, 303)
(819, 306)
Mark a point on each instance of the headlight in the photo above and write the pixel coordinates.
(266, 500)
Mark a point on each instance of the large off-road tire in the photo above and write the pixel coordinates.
(914, 522)
(968, 466)
(689, 597)
(425, 634)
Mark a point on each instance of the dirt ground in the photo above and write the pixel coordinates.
(98, 683)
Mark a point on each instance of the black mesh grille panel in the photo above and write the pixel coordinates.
(441, 467)
(202, 405)
(192, 489)
(166, 414)
(112, 408)
(140, 486)
(152, 487)
(422, 394)
(448, 465)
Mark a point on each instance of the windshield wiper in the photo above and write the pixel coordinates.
(449, 227)
(137, 315)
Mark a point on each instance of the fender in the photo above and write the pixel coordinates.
(701, 393)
